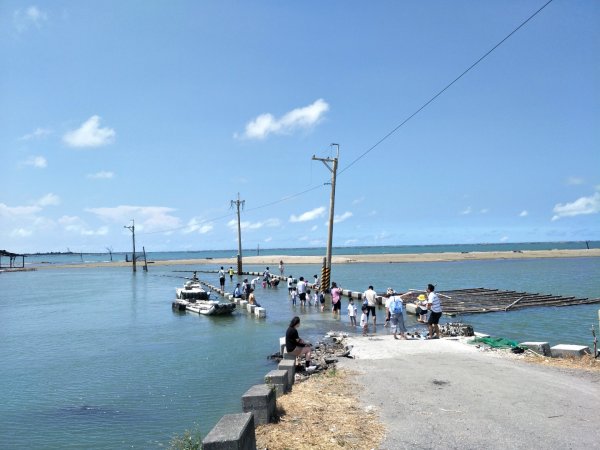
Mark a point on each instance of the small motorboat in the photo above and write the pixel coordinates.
(192, 297)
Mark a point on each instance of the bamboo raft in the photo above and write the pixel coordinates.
(482, 300)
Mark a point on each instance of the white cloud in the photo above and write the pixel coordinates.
(351, 242)
(484, 211)
(32, 16)
(583, 205)
(341, 218)
(314, 228)
(89, 134)
(504, 239)
(196, 225)
(36, 161)
(147, 218)
(574, 181)
(358, 200)
(74, 224)
(245, 225)
(13, 212)
(102, 175)
(523, 213)
(48, 200)
(467, 210)
(299, 118)
(21, 232)
(268, 239)
(309, 215)
(39, 133)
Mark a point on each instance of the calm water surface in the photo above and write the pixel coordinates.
(96, 358)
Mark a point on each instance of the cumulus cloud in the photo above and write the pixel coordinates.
(36, 161)
(74, 224)
(21, 232)
(198, 226)
(246, 225)
(31, 16)
(147, 218)
(299, 118)
(341, 217)
(466, 211)
(48, 200)
(89, 134)
(583, 205)
(358, 200)
(38, 133)
(308, 215)
(523, 213)
(14, 212)
(102, 175)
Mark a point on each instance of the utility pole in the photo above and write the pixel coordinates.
(326, 272)
(132, 229)
(237, 203)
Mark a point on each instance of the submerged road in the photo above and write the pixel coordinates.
(447, 394)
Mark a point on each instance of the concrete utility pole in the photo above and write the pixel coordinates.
(237, 203)
(132, 229)
(326, 272)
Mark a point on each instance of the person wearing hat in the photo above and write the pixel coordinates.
(388, 298)
(422, 308)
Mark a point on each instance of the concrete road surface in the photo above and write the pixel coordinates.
(446, 394)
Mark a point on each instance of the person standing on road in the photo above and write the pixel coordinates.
(371, 297)
(396, 308)
(222, 278)
(435, 306)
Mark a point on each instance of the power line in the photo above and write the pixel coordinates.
(432, 99)
(394, 130)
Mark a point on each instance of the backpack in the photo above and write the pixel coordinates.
(396, 306)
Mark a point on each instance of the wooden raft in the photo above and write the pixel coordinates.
(482, 300)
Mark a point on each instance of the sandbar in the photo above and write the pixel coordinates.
(273, 260)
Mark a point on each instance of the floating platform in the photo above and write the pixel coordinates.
(483, 300)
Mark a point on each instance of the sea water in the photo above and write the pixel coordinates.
(96, 358)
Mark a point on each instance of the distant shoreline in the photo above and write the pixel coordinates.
(273, 260)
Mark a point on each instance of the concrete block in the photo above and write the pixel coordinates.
(282, 348)
(541, 348)
(346, 292)
(250, 308)
(279, 380)
(260, 400)
(289, 356)
(290, 366)
(356, 295)
(243, 304)
(232, 432)
(563, 350)
(260, 312)
(230, 297)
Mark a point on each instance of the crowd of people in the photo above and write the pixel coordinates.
(303, 293)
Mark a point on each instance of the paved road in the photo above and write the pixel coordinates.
(446, 394)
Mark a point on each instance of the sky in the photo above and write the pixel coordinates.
(164, 112)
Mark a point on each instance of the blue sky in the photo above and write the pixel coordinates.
(163, 111)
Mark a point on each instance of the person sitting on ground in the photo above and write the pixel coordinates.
(252, 298)
(237, 292)
(293, 344)
(422, 308)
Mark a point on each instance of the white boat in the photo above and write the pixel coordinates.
(192, 297)
(192, 291)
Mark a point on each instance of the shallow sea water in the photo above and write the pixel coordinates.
(95, 358)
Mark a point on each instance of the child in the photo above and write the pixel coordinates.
(364, 320)
(352, 313)
(308, 296)
(322, 300)
(294, 295)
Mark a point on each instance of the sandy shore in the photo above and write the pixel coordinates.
(273, 260)
(449, 394)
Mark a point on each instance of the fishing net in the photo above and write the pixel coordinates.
(494, 342)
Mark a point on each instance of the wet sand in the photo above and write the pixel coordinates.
(273, 260)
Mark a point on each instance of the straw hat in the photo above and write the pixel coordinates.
(422, 297)
(390, 291)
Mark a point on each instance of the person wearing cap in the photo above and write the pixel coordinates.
(422, 308)
(396, 308)
(388, 298)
